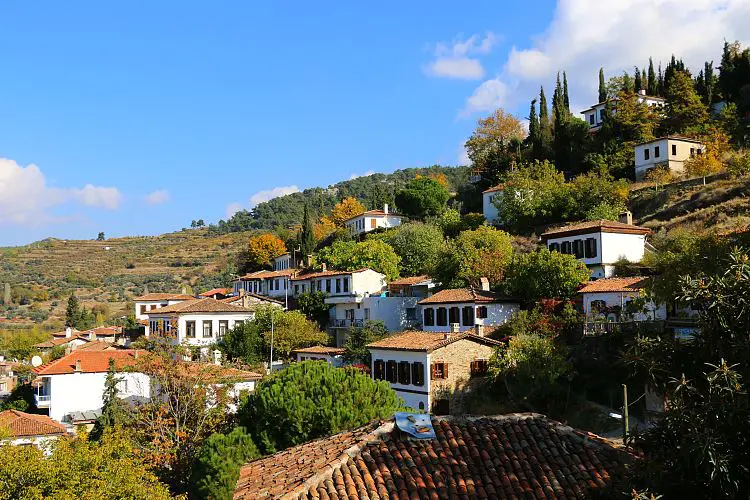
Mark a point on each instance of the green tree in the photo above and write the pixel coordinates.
(545, 126)
(100, 236)
(291, 330)
(534, 194)
(637, 81)
(651, 85)
(73, 312)
(422, 197)
(566, 97)
(371, 253)
(114, 411)
(309, 400)
(417, 245)
(481, 253)
(307, 235)
(595, 189)
(602, 86)
(313, 306)
(492, 146)
(244, 343)
(684, 110)
(359, 337)
(217, 466)
(534, 132)
(544, 274)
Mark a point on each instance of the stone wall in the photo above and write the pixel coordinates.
(458, 356)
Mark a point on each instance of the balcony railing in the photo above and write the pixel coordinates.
(42, 400)
(347, 323)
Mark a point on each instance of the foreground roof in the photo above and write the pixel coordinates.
(91, 361)
(595, 226)
(164, 296)
(633, 284)
(508, 456)
(427, 341)
(21, 424)
(207, 305)
(465, 295)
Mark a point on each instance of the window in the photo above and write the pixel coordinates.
(296, 289)
(601, 115)
(346, 285)
(429, 317)
(646, 153)
(699, 151)
(439, 371)
(478, 367)
(143, 309)
(367, 313)
(591, 119)
(674, 149)
(190, 329)
(207, 328)
(554, 247)
(468, 315)
(565, 247)
(692, 151)
(411, 313)
(378, 369)
(442, 316)
(239, 323)
(454, 315)
(656, 151)
(328, 286)
(320, 285)
(223, 327)
(373, 223)
(578, 249)
(421, 405)
(590, 248)
(390, 371)
(482, 312)
(417, 373)
(404, 372)
(338, 285)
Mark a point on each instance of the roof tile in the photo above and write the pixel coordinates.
(22, 424)
(473, 295)
(605, 226)
(633, 284)
(164, 296)
(207, 305)
(427, 341)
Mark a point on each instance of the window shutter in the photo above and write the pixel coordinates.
(445, 370)
(432, 371)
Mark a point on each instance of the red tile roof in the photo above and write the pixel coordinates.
(215, 291)
(508, 456)
(633, 284)
(374, 213)
(321, 274)
(207, 305)
(22, 424)
(410, 280)
(91, 362)
(595, 226)
(672, 138)
(493, 189)
(163, 296)
(474, 295)
(56, 341)
(262, 275)
(427, 341)
(321, 349)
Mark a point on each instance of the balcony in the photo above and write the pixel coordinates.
(42, 400)
(347, 323)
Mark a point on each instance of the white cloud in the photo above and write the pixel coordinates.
(366, 174)
(157, 197)
(25, 197)
(463, 156)
(585, 35)
(452, 61)
(270, 194)
(232, 209)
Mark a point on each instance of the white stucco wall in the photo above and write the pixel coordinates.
(151, 305)
(489, 210)
(612, 299)
(199, 318)
(497, 314)
(615, 246)
(390, 310)
(682, 150)
(367, 223)
(411, 394)
(44, 443)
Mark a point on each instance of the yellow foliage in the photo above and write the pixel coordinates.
(263, 248)
(659, 175)
(323, 228)
(345, 210)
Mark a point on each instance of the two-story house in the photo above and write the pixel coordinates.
(199, 323)
(611, 299)
(669, 151)
(595, 115)
(270, 283)
(600, 244)
(151, 301)
(466, 308)
(430, 370)
(372, 220)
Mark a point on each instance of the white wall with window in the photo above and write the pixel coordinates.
(440, 317)
(605, 306)
(143, 306)
(197, 329)
(600, 250)
(665, 151)
(408, 372)
(489, 209)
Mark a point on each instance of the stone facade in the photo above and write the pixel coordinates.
(458, 356)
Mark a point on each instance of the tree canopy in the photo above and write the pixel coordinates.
(217, 466)
(480, 253)
(544, 274)
(422, 197)
(345, 210)
(417, 245)
(262, 249)
(371, 253)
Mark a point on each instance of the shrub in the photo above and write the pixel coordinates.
(217, 466)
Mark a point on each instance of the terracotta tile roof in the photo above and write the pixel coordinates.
(104, 331)
(262, 275)
(63, 333)
(56, 341)
(215, 291)
(207, 305)
(163, 296)
(465, 295)
(238, 298)
(91, 362)
(321, 274)
(410, 280)
(614, 285)
(321, 349)
(22, 424)
(97, 345)
(426, 341)
(374, 213)
(594, 226)
(509, 456)
(493, 189)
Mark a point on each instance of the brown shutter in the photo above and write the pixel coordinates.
(445, 370)
(432, 371)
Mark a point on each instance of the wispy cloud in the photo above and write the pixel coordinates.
(232, 209)
(270, 194)
(366, 174)
(157, 197)
(452, 59)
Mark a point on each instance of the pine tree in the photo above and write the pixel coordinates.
(566, 98)
(307, 239)
(709, 80)
(638, 83)
(114, 410)
(217, 466)
(651, 86)
(602, 86)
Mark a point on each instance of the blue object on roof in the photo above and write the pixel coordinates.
(418, 425)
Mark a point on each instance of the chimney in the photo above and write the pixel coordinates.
(446, 335)
(626, 217)
(385, 209)
(68, 332)
(455, 328)
(484, 284)
(479, 330)
(78, 366)
(324, 267)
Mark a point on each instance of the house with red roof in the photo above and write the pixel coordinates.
(215, 293)
(151, 301)
(24, 429)
(372, 220)
(617, 299)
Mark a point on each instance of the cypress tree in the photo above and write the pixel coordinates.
(114, 411)
(545, 126)
(307, 239)
(627, 83)
(651, 86)
(533, 126)
(557, 99)
(602, 86)
(638, 84)
(644, 80)
(660, 83)
(566, 98)
(709, 81)
(73, 312)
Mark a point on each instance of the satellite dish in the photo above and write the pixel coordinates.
(36, 361)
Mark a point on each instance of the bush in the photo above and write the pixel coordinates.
(739, 164)
(217, 466)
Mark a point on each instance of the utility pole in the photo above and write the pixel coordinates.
(625, 418)
(270, 366)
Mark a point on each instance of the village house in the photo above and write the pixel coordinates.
(595, 115)
(669, 151)
(489, 209)
(216, 293)
(411, 286)
(465, 308)
(270, 283)
(372, 220)
(8, 377)
(72, 339)
(520, 455)
(197, 323)
(151, 301)
(430, 370)
(252, 300)
(334, 356)
(600, 244)
(616, 299)
(26, 429)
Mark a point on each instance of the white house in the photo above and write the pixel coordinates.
(371, 220)
(284, 261)
(75, 382)
(489, 209)
(599, 244)
(340, 286)
(427, 369)
(25, 429)
(609, 299)
(671, 151)
(270, 283)
(467, 308)
(594, 115)
(198, 323)
(411, 286)
(151, 301)
(334, 356)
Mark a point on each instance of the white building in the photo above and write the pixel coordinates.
(340, 286)
(670, 151)
(334, 356)
(373, 219)
(151, 301)
(284, 261)
(426, 369)
(197, 323)
(594, 115)
(489, 209)
(270, 283)
(599, 244)
(610, 300)
(467, 308)
(27, 429)
(75, 382)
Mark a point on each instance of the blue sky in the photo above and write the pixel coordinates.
(136, 118)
